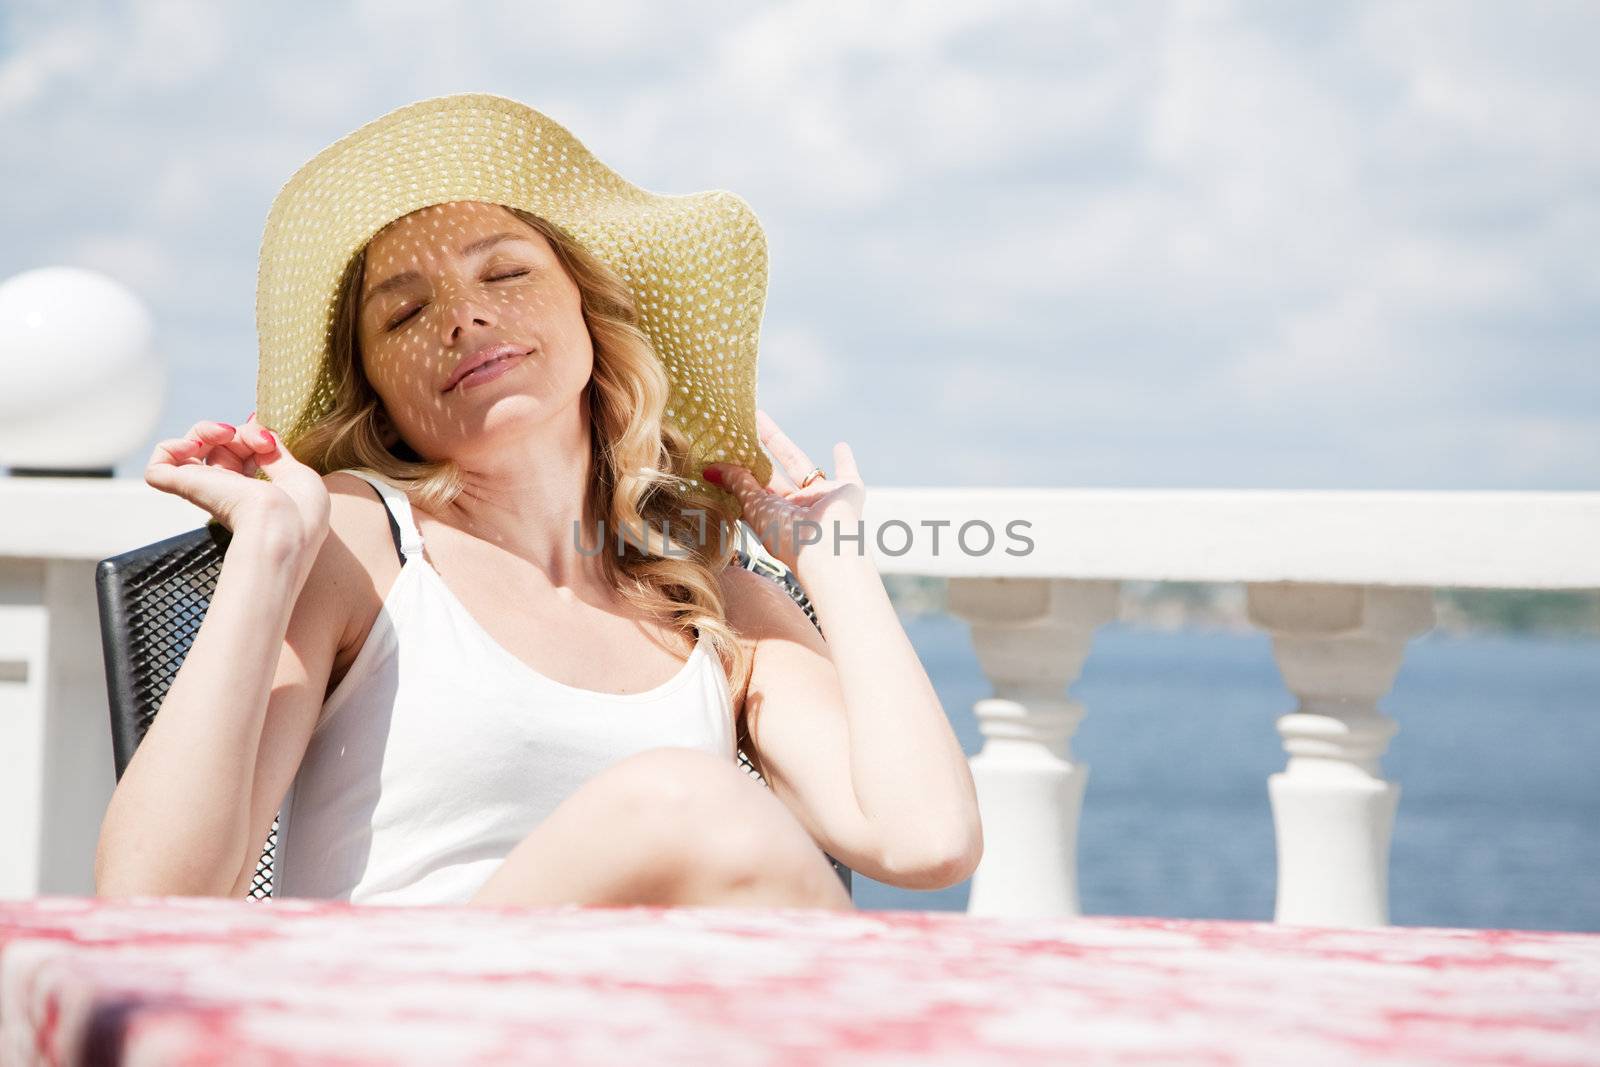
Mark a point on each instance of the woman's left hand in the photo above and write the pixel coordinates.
(783, 513)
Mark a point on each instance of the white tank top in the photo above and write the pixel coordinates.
(439, 750)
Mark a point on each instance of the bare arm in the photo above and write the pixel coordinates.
(178, 821)
(849, 731)
(855, 736)
(323, 625)
(911, 777)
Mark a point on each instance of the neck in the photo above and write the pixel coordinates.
(527, 495)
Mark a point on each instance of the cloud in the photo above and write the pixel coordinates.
(57, 54)
(139, 261)
(1132, 244)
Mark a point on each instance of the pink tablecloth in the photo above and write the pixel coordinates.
(187, 982)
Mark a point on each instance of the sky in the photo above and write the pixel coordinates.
(1170, 245)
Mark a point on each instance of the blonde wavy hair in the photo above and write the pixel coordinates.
(641, 461)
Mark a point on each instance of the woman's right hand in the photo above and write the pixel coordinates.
(214, 467)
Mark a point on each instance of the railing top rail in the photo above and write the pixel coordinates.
(1484, 539)
(1516, 540)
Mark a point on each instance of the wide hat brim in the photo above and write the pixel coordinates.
(696, 264)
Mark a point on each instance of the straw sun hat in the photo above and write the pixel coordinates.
(696, 264)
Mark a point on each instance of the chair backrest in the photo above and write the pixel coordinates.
(152, 601)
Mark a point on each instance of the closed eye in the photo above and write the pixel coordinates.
(395, 324)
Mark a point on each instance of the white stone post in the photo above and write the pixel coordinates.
(1032, 637)
(56, 773)
(84, 381)
(1339, 648)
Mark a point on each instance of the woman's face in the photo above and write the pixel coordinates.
(443, 284)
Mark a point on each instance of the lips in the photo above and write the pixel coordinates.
(486, 354)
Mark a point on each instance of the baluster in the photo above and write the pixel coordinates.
(1032, 637)
(1339, 648)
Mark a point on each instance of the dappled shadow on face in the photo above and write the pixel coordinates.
(444, 282)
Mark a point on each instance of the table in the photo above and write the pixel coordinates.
(197, 981)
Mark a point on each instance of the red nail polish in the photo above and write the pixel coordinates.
(271, 438)
(250, 416)
(713, 476)
(231, 428)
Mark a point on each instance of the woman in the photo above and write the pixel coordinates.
(452, 695)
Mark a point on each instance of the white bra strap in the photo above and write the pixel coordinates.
(400, 508)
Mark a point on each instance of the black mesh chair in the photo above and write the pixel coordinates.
(152, 601)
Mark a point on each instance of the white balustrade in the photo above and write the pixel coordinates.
(1032, 636)
(56, 769)
(1339, 648)
(1341, 581)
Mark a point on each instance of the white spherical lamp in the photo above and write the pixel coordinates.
(83, 383)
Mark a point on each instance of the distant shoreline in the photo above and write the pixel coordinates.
(1221, 606)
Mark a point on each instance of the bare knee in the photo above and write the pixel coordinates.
(683, 802)
(670, 826)
(624, 837)
(726, 836)
(766, 859)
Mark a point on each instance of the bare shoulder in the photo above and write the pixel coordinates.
(357, 518)
(356, 512)
(358, 557)
(760, 607)
(762, 612)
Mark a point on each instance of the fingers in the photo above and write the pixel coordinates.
(196, 444)
(844, 464)
(226, 458)
(218, 444)
(205, 467)
(257, 436)
(245, 443)
(780, 482)
(796, 464)
(232, 453)
(733, 478)
(740, 482)
(846, 479)
(180, 466)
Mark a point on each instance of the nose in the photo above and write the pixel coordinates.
(462, 311)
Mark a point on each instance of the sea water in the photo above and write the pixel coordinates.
(1498, 759)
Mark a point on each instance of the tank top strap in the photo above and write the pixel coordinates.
(399, 512)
